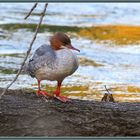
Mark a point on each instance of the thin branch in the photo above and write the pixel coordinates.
(34, 6)
(108, 97)
(106, 89)
(28, 51)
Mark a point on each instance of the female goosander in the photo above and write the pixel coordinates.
(53, 62)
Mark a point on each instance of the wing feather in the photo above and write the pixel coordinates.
(44, 55)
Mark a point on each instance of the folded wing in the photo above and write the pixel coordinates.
(44, 55)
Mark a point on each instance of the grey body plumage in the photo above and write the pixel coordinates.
(47, 64)
(44, 55)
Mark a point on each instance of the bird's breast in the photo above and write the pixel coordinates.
(66, 61)
(65, 64)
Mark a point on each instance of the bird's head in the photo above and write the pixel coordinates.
(60, 41)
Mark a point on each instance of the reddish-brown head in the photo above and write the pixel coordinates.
(60, 40)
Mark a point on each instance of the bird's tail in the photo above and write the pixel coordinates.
(25, 68)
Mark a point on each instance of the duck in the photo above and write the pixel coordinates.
(53, 62)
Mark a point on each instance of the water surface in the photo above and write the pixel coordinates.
(116, 66)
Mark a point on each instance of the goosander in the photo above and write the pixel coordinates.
(53, 62)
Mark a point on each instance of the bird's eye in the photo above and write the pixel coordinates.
(66, 42)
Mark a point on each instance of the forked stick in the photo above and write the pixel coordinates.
(29, 50)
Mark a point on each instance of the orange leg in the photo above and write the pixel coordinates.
(40, 92)
(57, 93)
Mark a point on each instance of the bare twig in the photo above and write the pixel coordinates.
(108, 97)
(106, 89)
(34, 6)
(28, 51)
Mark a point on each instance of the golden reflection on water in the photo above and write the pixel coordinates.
(119, 34)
